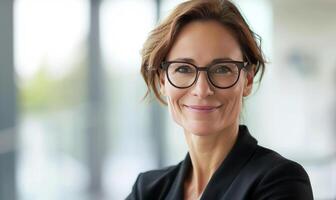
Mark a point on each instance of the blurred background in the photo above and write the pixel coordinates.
(73, 125)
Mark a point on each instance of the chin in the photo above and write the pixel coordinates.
(201, 134)
(201, 129)
(206, 127)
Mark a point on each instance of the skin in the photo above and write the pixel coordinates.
(208, 115)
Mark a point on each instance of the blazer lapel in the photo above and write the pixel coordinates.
(176, 190)
(239, 155)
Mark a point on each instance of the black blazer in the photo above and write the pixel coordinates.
(248, 172)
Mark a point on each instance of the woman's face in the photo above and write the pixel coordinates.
(203, 109)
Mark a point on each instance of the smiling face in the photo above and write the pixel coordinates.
(203, 109)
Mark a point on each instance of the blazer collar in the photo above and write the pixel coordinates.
(220, 181)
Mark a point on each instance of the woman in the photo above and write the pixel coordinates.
(203, 59)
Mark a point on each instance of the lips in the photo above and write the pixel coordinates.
(201, 108)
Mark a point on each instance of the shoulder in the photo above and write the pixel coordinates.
(269, 158)
(279, 176)
(159, 175)
(153, 183)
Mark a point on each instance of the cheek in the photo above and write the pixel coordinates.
(173, 98)
(233, 104)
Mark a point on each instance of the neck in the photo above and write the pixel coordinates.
(207, 153)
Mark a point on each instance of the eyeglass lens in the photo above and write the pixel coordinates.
(220, 74)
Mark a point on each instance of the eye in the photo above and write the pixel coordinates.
(184, 69)
(221, 69)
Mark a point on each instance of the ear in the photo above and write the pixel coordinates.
(162, 83)
(249, 75)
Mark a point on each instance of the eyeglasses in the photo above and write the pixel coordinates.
(223, 74)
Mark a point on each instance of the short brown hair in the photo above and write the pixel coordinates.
(161, 39)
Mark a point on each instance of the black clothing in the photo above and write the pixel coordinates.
(248, 172)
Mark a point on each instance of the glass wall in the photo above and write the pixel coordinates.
(303, 96)
(124, 27)
(50, 62)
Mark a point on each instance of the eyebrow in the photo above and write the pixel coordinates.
(216, 60)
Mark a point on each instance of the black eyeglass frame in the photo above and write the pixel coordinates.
(240, 64)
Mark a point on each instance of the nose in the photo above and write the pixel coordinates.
(202, 88)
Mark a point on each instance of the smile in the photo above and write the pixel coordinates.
(201, 109)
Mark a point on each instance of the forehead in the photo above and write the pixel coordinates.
(204, 41)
